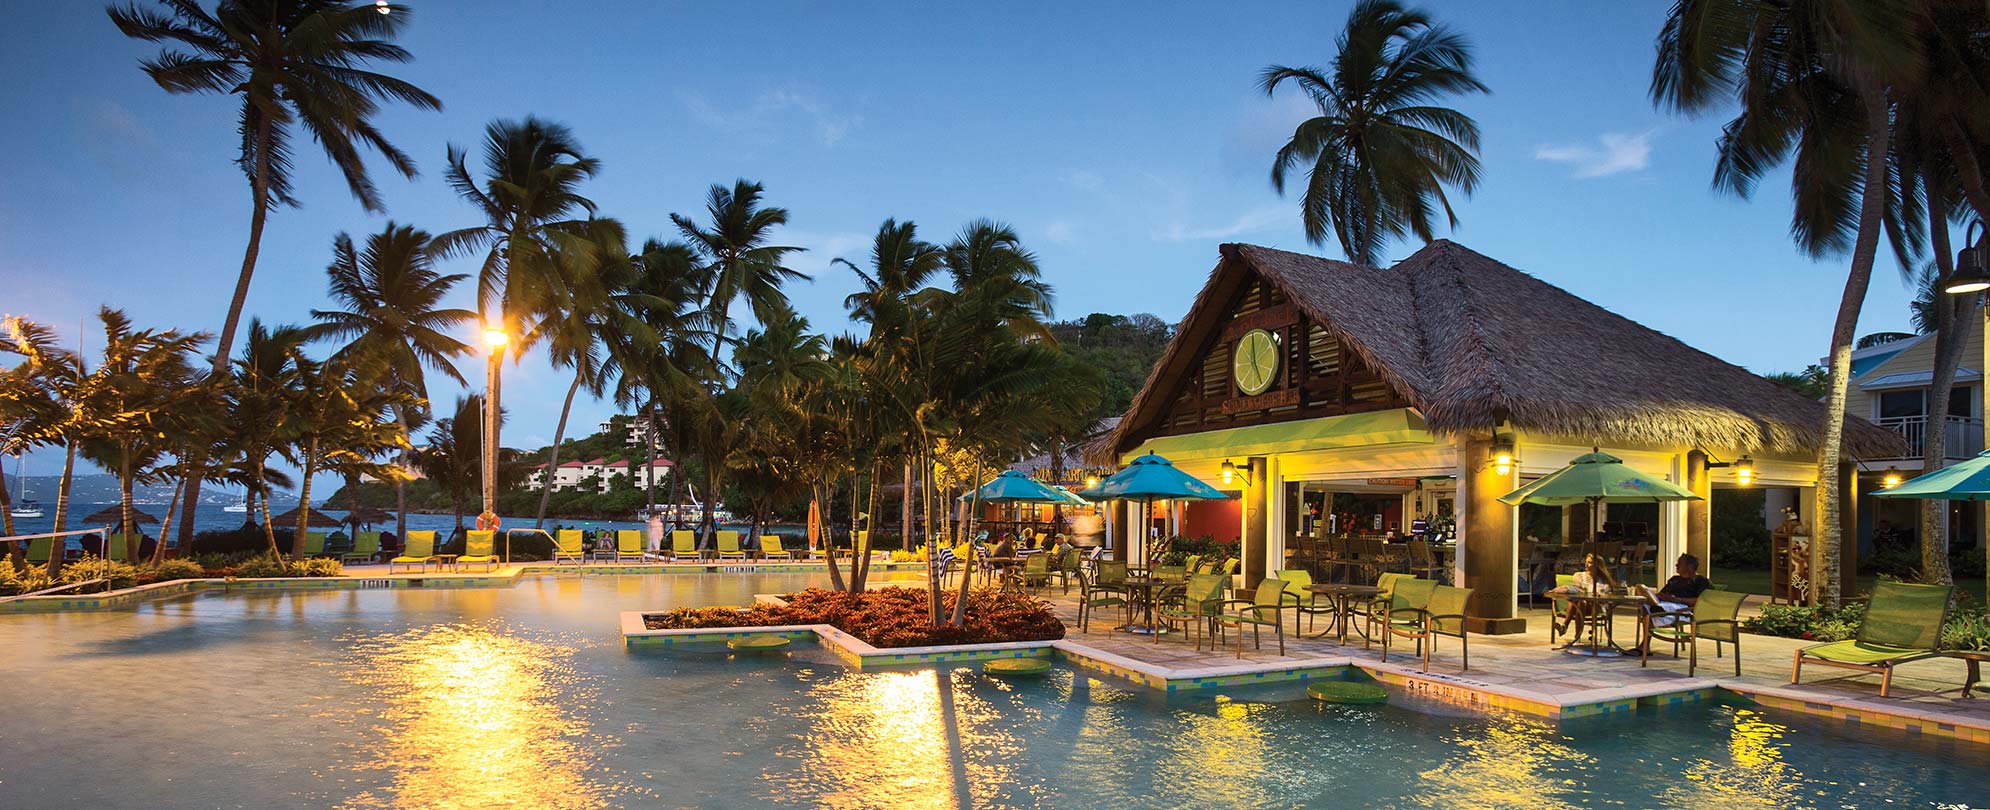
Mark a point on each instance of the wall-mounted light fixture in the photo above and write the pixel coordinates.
(1230, 472)
(1091, 481)
(1502, 455)
(1744, 469)
(1891, 479)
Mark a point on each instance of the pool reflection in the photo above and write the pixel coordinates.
(474, 717)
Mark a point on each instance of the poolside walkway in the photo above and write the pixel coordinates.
(1525, 668)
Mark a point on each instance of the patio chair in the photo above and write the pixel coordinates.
(1302, 601)
(1445, 616)
(314, 544)
(1903, 623)
(770, 547)
(684, 544)
(1196, 605)
(1399, 592)
(1107, 588)
(728, 546)
(1264, 609)
(365, 547)
(417, 552)
(1423, 564)
(629, 544)
(567, 545)
(1035, 572)
(1711, 617)
(1171, 573)
(1559, 620)
(1071, 565)
(479, 548)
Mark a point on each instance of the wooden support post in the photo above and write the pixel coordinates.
(1486, 530)
(1848, 533)
(1699, 515)
(1258, 500)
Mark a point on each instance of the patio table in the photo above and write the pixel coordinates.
(1600, 619)
(1974, 659)
(1343, 597)
(1141, 590)
(445, 561)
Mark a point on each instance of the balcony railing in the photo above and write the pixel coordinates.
(1962, 436)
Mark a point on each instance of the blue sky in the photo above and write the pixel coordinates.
(1125, 142)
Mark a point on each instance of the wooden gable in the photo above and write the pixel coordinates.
(1316, 377)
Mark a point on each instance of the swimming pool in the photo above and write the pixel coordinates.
(526, 696)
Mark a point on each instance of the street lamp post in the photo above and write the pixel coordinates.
(495, 338)
(1970, 278)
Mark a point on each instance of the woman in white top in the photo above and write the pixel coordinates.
(1593, 578)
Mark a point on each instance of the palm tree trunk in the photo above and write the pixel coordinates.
(16, 555)
(56, 546)
(304, 499)
(1824, 550)
(1949, 320)
(649, 472)
(269, 525)
(967, 573)
(553, 453)
(829, 538)
(124, 527)
(225, 341)
(401, 483)
(166, 524)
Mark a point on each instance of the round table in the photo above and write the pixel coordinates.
(1601, 617)
(1343, 598)
(1141, 591)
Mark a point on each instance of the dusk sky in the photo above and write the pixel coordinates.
(1124, 142)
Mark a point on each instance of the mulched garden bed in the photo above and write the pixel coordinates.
(887, 617)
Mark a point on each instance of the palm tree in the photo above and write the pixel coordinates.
(272, 381)
(142, 378)
(1813, 83)
(292, 62)
(391, 318)
(41, 401)
(900, 264)
(738, 261)
(1380, 153)
(660, 374)
(453, 456)
(531, 204)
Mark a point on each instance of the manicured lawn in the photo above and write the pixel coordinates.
(1757, 582)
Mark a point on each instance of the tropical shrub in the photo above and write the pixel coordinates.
(1968, 628)
(266, 567)
(121, 574)
(1205, 546)
(168, 570)
(248, 539)
(1740, 540)
(1808, 622)
(14, 583)
(887, 617)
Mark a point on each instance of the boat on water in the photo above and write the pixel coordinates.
(23, 506)
(238, 507)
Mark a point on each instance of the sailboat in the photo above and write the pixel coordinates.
(24, 507)
(241, 505)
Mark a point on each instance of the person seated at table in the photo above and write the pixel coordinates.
(1593, 578)
(1006, 548)
(1681, 592)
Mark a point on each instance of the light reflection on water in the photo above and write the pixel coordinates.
(472, 716)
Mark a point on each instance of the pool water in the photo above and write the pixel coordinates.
(526, 697)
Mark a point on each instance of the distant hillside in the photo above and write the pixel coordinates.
(102, 488)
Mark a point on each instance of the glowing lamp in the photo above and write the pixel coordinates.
(1503, 462)
(1891, 479)
(496, 338)
(1969, 275)
(382, 7)
(1091, 481)
(1744, 470)
(1229, 471)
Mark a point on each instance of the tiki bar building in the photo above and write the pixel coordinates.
(1336, 400)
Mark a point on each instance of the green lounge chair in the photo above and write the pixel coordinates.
(479, 548)
(770, 547)
(39, 549)
(1903, 623)
(683, 543)
(1303, 602)
(1197, 605)
(118, 550)
(338, 545)
(1712, 616)
(314, 543)
(419, 551)
(1444, 616)
(1107, 588)
(365, 547)
(629, 545)
(568, 546)
(1264, 609)
(729, 546)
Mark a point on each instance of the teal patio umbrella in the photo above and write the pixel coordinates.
(1150, 478)
(1966, 481)
(1014, 487)
(1593, 478)
(1069, 498)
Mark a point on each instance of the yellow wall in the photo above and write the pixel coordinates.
(1921, 357)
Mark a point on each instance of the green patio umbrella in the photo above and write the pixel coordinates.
(1966, 481)
(1593, 478)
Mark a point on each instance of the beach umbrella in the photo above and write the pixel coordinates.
(1014, 487)
(1150, 478)
(1594, 478)
(1964, 481)
(113, 514)
(318, 519)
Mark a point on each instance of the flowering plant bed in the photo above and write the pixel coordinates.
(887, 617)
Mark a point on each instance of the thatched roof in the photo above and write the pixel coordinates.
(1471, 342)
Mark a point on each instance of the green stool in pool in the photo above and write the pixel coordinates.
(1017, 666)
(1354, 692)
(757, 644)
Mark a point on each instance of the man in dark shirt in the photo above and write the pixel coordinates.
(1686, 585)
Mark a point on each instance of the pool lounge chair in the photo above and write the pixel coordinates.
(1903, 623)
(1265, 608)
(1445, 616)
(479, 548)
(314, 544)
(1712, 616)
(629, 545)
(38, 549)
(568, 546)
(365, 547)
(770, 547)
(418, 552)
(729, 546)
(684, 545)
